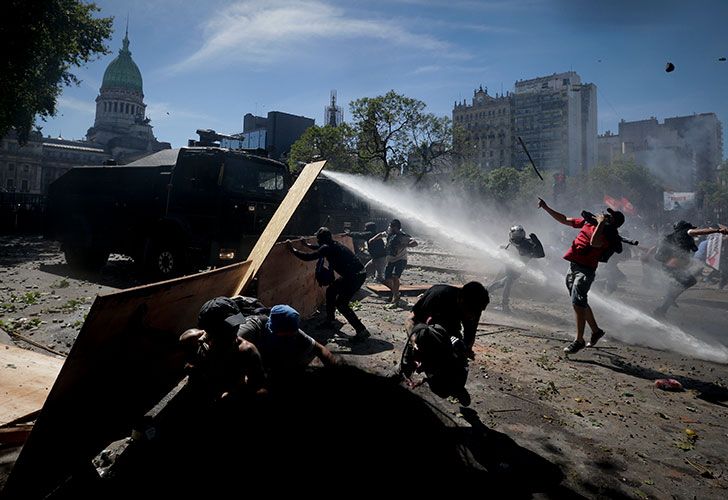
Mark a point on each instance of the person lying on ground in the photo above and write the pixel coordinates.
(284, 348)
(339, 291)
(597, 240)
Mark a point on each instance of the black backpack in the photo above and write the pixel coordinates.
(439, 355)
(324, 275)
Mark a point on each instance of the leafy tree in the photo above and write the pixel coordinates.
(394, 133)
(334, 144)
(432, 140)
(715, 200)
(509, 189)
(44, 40)
(627, 179)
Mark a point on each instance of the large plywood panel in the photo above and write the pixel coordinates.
(285, 279)
(280, 219)
(126, 357)
(26, 378)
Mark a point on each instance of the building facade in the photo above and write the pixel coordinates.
(556, 116)
(682, 151)
(275, 133)
(487, 127)
(120, 131)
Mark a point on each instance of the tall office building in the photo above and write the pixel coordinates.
(556, 116)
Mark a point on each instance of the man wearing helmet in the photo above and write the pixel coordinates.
(675, 252)
(527, 248)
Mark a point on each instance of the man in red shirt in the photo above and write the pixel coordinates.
(593, 243)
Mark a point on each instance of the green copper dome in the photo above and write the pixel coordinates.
(123, 72)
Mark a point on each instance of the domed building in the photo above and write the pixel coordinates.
(121, 126)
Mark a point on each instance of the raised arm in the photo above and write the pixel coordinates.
(598, 240)
(707, 230)
(376, 237)
(307, 256)
(558, 216)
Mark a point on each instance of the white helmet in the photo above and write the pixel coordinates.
(517, 233)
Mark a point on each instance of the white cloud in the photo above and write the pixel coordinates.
(265, 32)
(79, 105)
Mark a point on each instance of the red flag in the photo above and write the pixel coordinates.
(611, 202)
(627, 207)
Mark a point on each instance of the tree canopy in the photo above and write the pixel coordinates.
(334, 144)
(395, 134)
(44, 40)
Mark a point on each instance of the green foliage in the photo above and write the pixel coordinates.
(715, 199)
(623, 178)
(395, 134)
(509, 188)
(334, 144)
(43, 41)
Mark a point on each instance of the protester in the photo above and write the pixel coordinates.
(220, 363)
(675, 253)
(340, 290)
(441, 333)
(284, 349)
(441, 357)
(456, 309)
(527, 249)
(375, 246)
(397, 244)
(597, 240)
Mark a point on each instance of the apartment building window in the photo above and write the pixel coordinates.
(10, 185)
(26, 169)
(24, 186)
(11, 167)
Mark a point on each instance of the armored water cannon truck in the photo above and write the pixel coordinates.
(174, 211)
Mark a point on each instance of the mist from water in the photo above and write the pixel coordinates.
(452, 216)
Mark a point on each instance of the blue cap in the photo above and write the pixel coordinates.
(283, 318)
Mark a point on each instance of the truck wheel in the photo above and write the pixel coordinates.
(86, 259)
(165, 260)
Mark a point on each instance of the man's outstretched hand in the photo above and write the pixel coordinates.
(541, 203)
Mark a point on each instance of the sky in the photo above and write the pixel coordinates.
(206, 64)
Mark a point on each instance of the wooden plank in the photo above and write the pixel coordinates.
(125, 359)
(278, 222)
(26, 378)
(285, 279)
(15, 435)
(408, 289)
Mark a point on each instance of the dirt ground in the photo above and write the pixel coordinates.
(595, 416)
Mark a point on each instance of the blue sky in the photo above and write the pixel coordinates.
(206, 64)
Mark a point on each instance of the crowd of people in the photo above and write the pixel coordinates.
(241, 347)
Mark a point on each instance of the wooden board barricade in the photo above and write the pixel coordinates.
(286, 279)
(26, 378)
(280, 219)
(125, 358)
